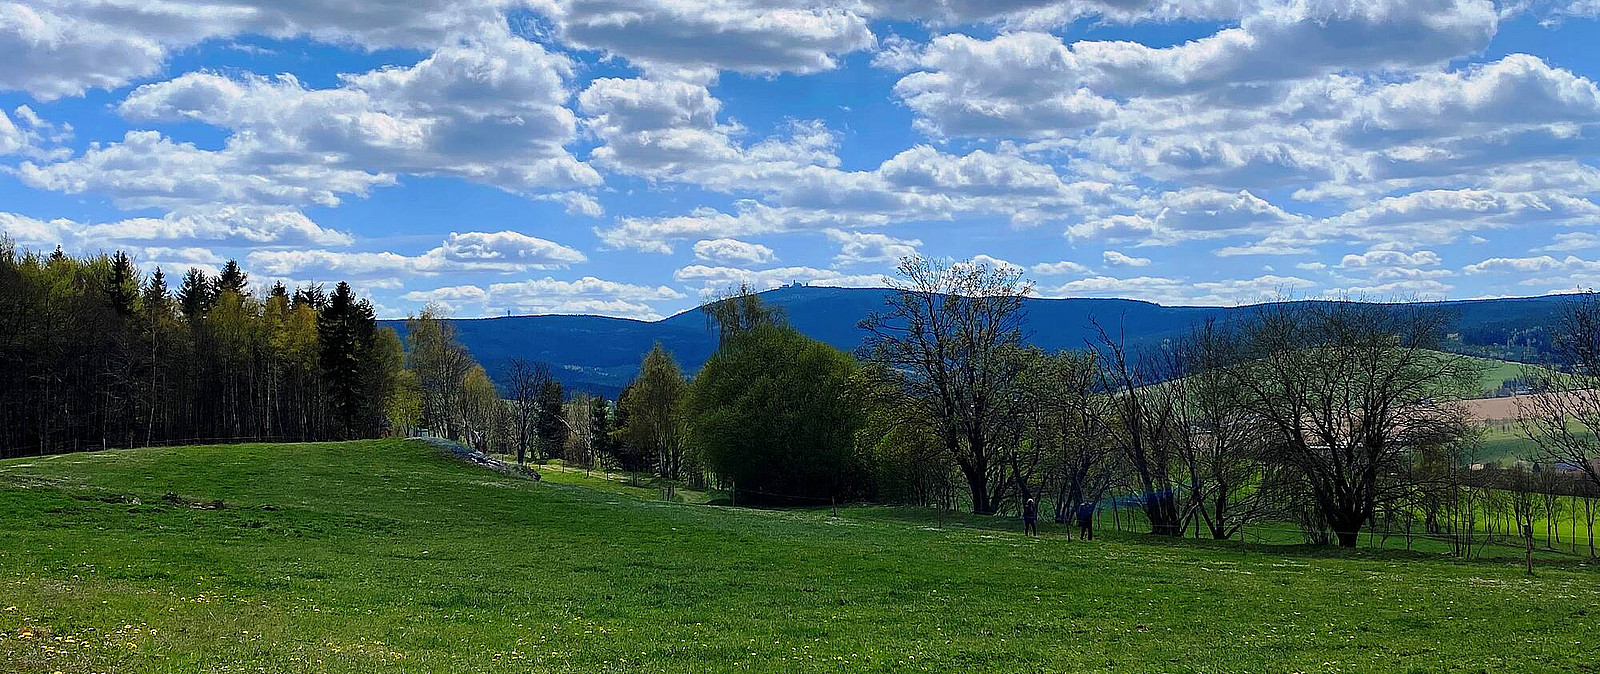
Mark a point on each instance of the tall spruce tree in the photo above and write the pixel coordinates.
(157, 329)
(232, 279)
(600, 426)
(550, 426)
(195, 296)
(155, 292)
(311, 296)
(122, 288)
(345, 331)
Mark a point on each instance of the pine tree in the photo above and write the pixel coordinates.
(122, 289)
(232, 279)
(600, 426)
(345, 331)
(311, 296)
(195, 295)
(550, 426)
(155, 292)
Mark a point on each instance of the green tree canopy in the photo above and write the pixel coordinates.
(771, 411)
(346, 331)
(652, 407)
(549, 425)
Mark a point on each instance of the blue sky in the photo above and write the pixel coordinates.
(628, 157)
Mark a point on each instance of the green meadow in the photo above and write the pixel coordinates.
(391, 556)
(1495, 372)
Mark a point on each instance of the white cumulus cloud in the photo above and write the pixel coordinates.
(732, 251)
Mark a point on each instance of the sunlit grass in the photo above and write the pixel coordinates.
(387, 556)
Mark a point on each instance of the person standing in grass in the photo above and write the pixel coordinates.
(1030, 518)
(1086, 521)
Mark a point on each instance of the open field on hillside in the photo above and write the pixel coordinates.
(388, 556)
(1561, 538)
(1496, 372)
(1505, 443)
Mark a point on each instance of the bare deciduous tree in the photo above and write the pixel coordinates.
(1354, 392)
(579, 422)
(1223, 446)
(1525, 508)
(949, 339)
(1145, 428)
(1068, 416)
(526, 382)
(1562, 417)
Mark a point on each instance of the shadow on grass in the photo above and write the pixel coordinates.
(1498, 554)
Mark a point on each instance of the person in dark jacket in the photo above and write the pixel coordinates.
(1030, 518)
(1086, 521)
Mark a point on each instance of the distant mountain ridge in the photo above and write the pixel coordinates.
(600, 354)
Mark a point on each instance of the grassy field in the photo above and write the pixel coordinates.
(388, 556)
(1505, 443)
(1496, 372)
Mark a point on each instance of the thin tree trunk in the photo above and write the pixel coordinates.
(1410, 519)
(1528, 539)
(1588, 516)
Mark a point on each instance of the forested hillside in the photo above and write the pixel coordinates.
(599, 355)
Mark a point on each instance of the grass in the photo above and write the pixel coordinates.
(629, 484)
(1505, 443)
(1497, 372)
(387, 556)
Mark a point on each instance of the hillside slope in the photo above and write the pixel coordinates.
(387, 556)
(600, 355)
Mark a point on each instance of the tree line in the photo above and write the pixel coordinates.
(1314, 413)
(451, 395)
(95, 354)
(1337, 417)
